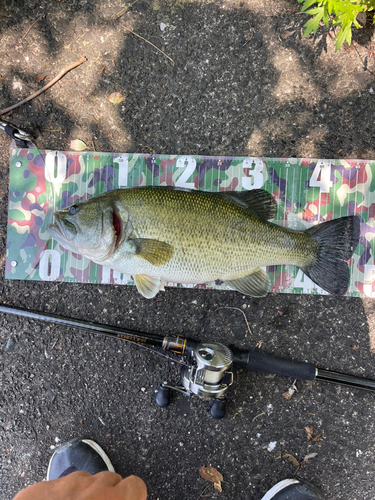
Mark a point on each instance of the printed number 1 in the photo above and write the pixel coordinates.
(123, 168)
(322, 169)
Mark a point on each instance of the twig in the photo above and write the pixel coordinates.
(252, 34)
(144, 39)
(27, 32)
(52, 82)
(237, 309)
(260, 415)
(206, 488)
(116, 16)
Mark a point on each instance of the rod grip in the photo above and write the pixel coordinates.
(262, 362)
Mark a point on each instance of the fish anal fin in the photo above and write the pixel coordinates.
(255, 284)
(148, 286)
(155, 252)
(258, 201)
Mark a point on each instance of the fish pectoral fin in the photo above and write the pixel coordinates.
(155, 252)
(258, 201)
(255, 284)
(148, 286)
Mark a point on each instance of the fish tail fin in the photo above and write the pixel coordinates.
(334, 242)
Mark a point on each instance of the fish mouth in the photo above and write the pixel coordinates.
(63, 228)
(118, 226)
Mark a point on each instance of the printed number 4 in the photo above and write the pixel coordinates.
(321, 176)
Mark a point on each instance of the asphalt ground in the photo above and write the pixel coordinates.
(243, 82)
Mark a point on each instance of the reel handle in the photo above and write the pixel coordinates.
(262, 362)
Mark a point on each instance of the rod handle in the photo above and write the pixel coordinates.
(262, 362)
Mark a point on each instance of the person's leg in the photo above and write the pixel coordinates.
(81, 470)
(293, 489)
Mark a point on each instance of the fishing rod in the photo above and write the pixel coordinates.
(207, 371)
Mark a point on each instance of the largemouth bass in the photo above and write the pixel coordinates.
(163, 234)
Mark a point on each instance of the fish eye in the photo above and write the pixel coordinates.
(73, 210)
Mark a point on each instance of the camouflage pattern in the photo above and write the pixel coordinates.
(308, 191)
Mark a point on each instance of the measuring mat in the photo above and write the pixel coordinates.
(308, 191)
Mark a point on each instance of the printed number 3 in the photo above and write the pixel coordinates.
(255, 179)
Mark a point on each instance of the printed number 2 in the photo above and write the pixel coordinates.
(322, 169)
(189, 164)
(255, 181)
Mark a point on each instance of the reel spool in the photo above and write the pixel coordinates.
(207, 376)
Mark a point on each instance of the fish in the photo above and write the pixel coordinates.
(168, 234)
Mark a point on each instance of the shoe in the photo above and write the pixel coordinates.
(78, 454)
(293, 489)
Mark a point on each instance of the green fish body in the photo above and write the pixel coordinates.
(163, 234)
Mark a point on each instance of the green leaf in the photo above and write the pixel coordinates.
(344, 35)
(116, 98)
(312, 25)
(307, 4)
(78, 145)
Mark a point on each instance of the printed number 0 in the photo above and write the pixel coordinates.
(49, 265)
(255, 181)
(189, 164)
(55, 167)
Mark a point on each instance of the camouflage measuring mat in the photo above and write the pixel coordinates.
(307, 192)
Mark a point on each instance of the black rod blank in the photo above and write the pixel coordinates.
(252, 360)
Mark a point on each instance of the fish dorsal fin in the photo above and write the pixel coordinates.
(260, 202)
(255, 284)
(148, 286)
(155, 252)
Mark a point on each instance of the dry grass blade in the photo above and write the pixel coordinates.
(34, 23)
(152, 45)
(125, 9)
(237, 309)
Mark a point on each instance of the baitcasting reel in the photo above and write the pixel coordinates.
(207, 370)
(207, 375)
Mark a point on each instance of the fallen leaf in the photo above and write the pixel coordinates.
(291, 459)
(307, 458)
(218, 487)
(318, 437)
(116, 98)
(309, 429)
(289, 393)
(210, 474)
(213, 475)
(78, 145)
(40, 78)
